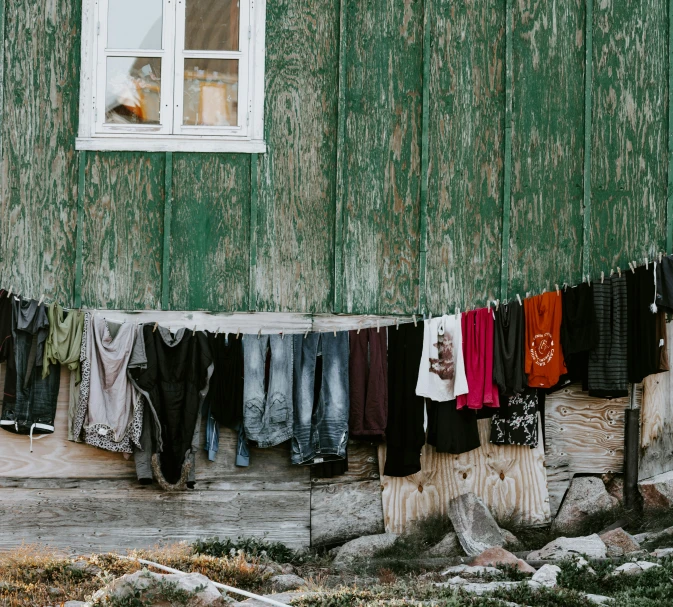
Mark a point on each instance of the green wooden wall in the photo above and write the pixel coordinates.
(422, 155)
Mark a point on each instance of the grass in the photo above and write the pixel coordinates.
(423, 534)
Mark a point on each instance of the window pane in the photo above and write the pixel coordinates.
(134, 24)
(212, 25)
(133, 90)
(211, 92)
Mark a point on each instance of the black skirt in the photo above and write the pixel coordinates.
(452, 430)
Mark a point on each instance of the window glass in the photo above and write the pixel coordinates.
(212, 25)
(210, 92)
(133, 90)
(134, 24)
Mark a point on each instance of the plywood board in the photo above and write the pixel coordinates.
(510, 479)
(656, 421)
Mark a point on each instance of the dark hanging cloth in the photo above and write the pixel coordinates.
(452, 430)
(509, 349)
(665, 284)
(225, 391)
(579, 331)
(7, 347)
(175, 381)
(608, 369)
(515, 421)
(405, 434)
(662, 340)
(643, 353)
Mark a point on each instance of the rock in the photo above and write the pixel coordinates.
(565, 547)
(83, 567)
(492, 557)
(599, 599)
(287, 581)
(286, 568)
(657, 492)
(128, 586)
(473, 523)
(614, 484)
(363, 547)
(634, 568)
(283, 597)
(448, 546)
(661, 553)
(510, 538)
(546, 575)
(54, 591)
(74, 604)
(619, 542)
(479, 589)
(581, 563)
(654, 536)
(586, 496)
(468, 571)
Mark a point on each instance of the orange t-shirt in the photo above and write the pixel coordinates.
(544, 358)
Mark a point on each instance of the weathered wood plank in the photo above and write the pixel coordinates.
(630, 127)
(210, 232)
(82, 519)
(297, 177)
(656, 421)
(123, 230)
(547, 144)
(467, 112)
(363, 465)
(76, 464)
(510, 479)
(39, 169)
(382, 158)
(343, 511)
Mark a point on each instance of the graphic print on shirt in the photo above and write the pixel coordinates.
(444, 365)
(542, 348)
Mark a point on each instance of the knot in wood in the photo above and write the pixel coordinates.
(420, 488)
(502, 476)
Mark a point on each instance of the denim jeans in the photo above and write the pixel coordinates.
(267, 414)
(320, 431)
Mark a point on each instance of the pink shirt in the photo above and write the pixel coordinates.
(477, 328)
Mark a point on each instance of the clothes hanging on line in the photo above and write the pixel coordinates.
(452, 430)
(368, 378)
(579, 331)
(544, 357)
(515, 422)
(509, 348)
(441, 374)
(477, 337)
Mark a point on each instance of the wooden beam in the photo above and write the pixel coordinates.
(507, 189)
(254, 191)
(669, 202)
(588, 83)
(340, 187)
(168, 217)
(79, 239)
(425, 158)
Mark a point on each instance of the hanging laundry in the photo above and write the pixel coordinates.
(509, 348)
(7, 347)
(643, 350)
(664, 296)
(544, 357)
(224, 401)
(452, 430)
(32, 407)
(109, 414)
(477, 329)
(368, 376)
(320, 433)
(441, 375)
(515, 422)
(405, 434)
(662, 341)
(174, 380)
(267, 407)
(579, 331)
(608, 367)
(81, 394)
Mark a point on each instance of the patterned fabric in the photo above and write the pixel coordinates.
(515, 422)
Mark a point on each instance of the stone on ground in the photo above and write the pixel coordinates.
(619, 542)
(634, 568)
(546, 575)
(447, 547)
(586, 496)
(599, 599)
(509, 537)
(661, 553)
(74, 604)
(473, 523)
(468, 571)
(286, 581)
(492, 557)
(479, 589)
(283, 597)
(652, 536)
(565, 547)
(657, 491)
(363, 547)
(127, 586)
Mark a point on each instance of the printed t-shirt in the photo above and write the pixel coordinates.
(544, 357)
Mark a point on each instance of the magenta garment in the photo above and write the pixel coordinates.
(478, 328)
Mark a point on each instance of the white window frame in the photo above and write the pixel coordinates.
(246, 137)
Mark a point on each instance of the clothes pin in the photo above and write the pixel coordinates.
(194, 331)
(359, 327)
(612, 271)
(156, 324)
(39, 303)
(619, 272)
(306, 334)
(259, 334)
(518, 298)
(11, 288)
(647, 264)
(282, 336)
(558, 291)
(397, 324)
(238, 333)
(414, 319)
(602, 277)
(334, 332)
(588, 280)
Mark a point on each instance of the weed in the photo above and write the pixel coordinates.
(275, 551)
(422, 534)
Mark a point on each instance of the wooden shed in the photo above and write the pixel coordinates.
(392, 157)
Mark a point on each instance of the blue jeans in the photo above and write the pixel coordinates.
(267, 414)
(320, 431)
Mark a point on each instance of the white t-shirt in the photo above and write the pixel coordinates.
(441, 375)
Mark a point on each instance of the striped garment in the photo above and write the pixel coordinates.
(608, 371)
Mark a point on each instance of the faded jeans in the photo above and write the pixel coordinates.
(320, 431)
(267, 414)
